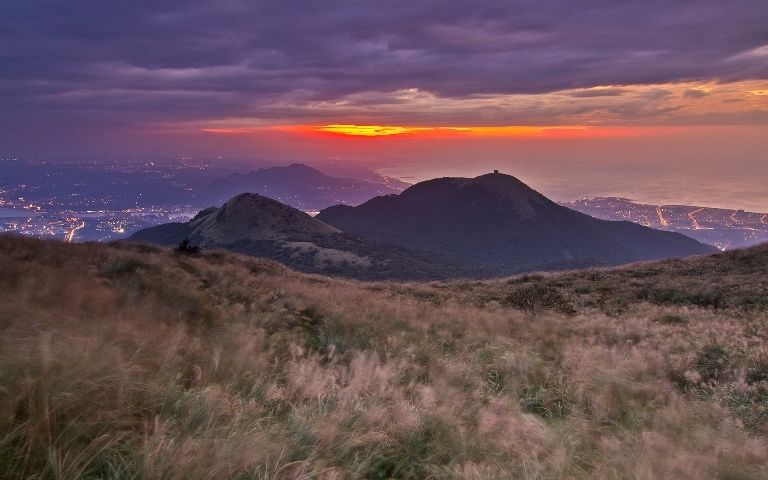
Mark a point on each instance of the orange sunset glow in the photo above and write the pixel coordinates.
(389, 130)
(342, 130)
(370, 130)
(465, 131)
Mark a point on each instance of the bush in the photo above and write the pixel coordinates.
(671, 319)
(758, 372)
(535, 299)
(122, 267)
(713, 363)
(185, 247)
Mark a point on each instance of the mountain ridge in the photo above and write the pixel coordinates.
(300, 186)
(259, 226)
(497, 221)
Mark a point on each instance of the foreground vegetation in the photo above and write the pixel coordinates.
(128, 361)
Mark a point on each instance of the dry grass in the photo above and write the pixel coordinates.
(133, 362)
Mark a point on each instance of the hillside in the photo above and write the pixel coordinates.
(497, 222)
(301, 186)
(131, 361)
(262, 227)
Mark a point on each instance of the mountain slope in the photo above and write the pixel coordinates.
(299, 186)
(497, 222)
(127, 361)
(262, 227)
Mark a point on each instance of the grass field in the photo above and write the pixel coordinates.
(127, 361)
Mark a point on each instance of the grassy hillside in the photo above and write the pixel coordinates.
(128, 361)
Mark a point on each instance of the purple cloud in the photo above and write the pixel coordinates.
(133, 62)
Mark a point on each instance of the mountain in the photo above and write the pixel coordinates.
(497, 222)
(724, 228)
(263, 227)
(301, 186)
(347, 170)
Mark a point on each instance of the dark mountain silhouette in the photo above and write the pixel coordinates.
(262, 227)
(301, 186)
(498, 223)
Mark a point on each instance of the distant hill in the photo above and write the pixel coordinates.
(725, 228)
(262, 227)
(301, 186)
(496, 222)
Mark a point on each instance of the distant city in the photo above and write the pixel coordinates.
(723, 228)
(98, 201)
(108, 200)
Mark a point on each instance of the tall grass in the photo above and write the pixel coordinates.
(128, 362)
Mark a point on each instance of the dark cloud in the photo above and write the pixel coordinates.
(694, 93)
(173, 60)
(598, 92)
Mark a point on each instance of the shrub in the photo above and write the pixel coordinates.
(713, 363)
(185, 247)
(122, 267)
(671, 319)
(535, 299)
(749, 405)
(758, 372)
(545, 400)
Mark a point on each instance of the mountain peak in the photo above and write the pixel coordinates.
(293, 168)
(503, 185)
(255, 216)
(300, 166)
(497, 182)
(247, 199)
(298, 185)
(497, 221)
(245, 205)
(494, 185)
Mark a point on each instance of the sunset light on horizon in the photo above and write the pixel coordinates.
(545, 92)
(446, 131)
(371, 131)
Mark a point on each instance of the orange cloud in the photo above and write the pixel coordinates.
(348, 130)
(369, 130)
(461, 131)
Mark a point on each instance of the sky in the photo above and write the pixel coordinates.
(654, 100)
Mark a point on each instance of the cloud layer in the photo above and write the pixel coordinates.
(95, 63)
